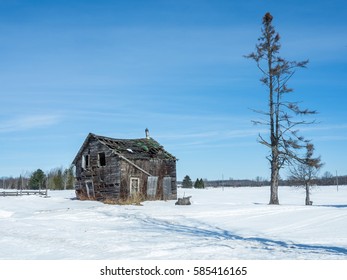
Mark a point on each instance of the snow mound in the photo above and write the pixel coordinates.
(5, 214)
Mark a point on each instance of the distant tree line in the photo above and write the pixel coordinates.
(63, 178)
(327, 179)
(55, 179)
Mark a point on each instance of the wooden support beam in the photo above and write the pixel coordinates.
(133, 164)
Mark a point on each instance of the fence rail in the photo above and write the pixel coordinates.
(22, 192)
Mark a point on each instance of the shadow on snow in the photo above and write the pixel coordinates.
(220, 234)
(333, 206)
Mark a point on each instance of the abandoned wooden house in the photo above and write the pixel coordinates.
(108, 168)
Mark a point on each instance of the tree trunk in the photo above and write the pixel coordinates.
(308, 201)
(274, 181)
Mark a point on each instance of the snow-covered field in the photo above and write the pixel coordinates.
(234, 223)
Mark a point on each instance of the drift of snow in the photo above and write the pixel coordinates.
(229, 223)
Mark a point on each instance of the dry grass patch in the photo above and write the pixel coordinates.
(131, 200)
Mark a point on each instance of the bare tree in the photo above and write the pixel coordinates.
(305, 172)
(283, 141)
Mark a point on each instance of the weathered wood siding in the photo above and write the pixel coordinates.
(113, 179)
(155, 167)
(106, 179)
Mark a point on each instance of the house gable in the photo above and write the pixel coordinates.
(116, 167)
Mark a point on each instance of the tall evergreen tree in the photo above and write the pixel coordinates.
(283, 141)
(37, 180)
(187, 182)
(199, 184)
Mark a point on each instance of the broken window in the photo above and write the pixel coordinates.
(90, 189)
(101, 159)
(134, 185)
(85, 161)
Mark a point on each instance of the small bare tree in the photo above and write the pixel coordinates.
(283, 141)
(305, 172)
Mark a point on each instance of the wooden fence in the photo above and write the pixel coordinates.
(22, 192)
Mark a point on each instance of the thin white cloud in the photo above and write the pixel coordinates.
(212, 136)
(341, 127)
(28, 122)
(330, 138)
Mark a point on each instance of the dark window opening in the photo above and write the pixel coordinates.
(101, 159)
(85, 161)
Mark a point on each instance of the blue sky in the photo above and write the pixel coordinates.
(113, 68)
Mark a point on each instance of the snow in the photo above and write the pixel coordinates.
(229, 223)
